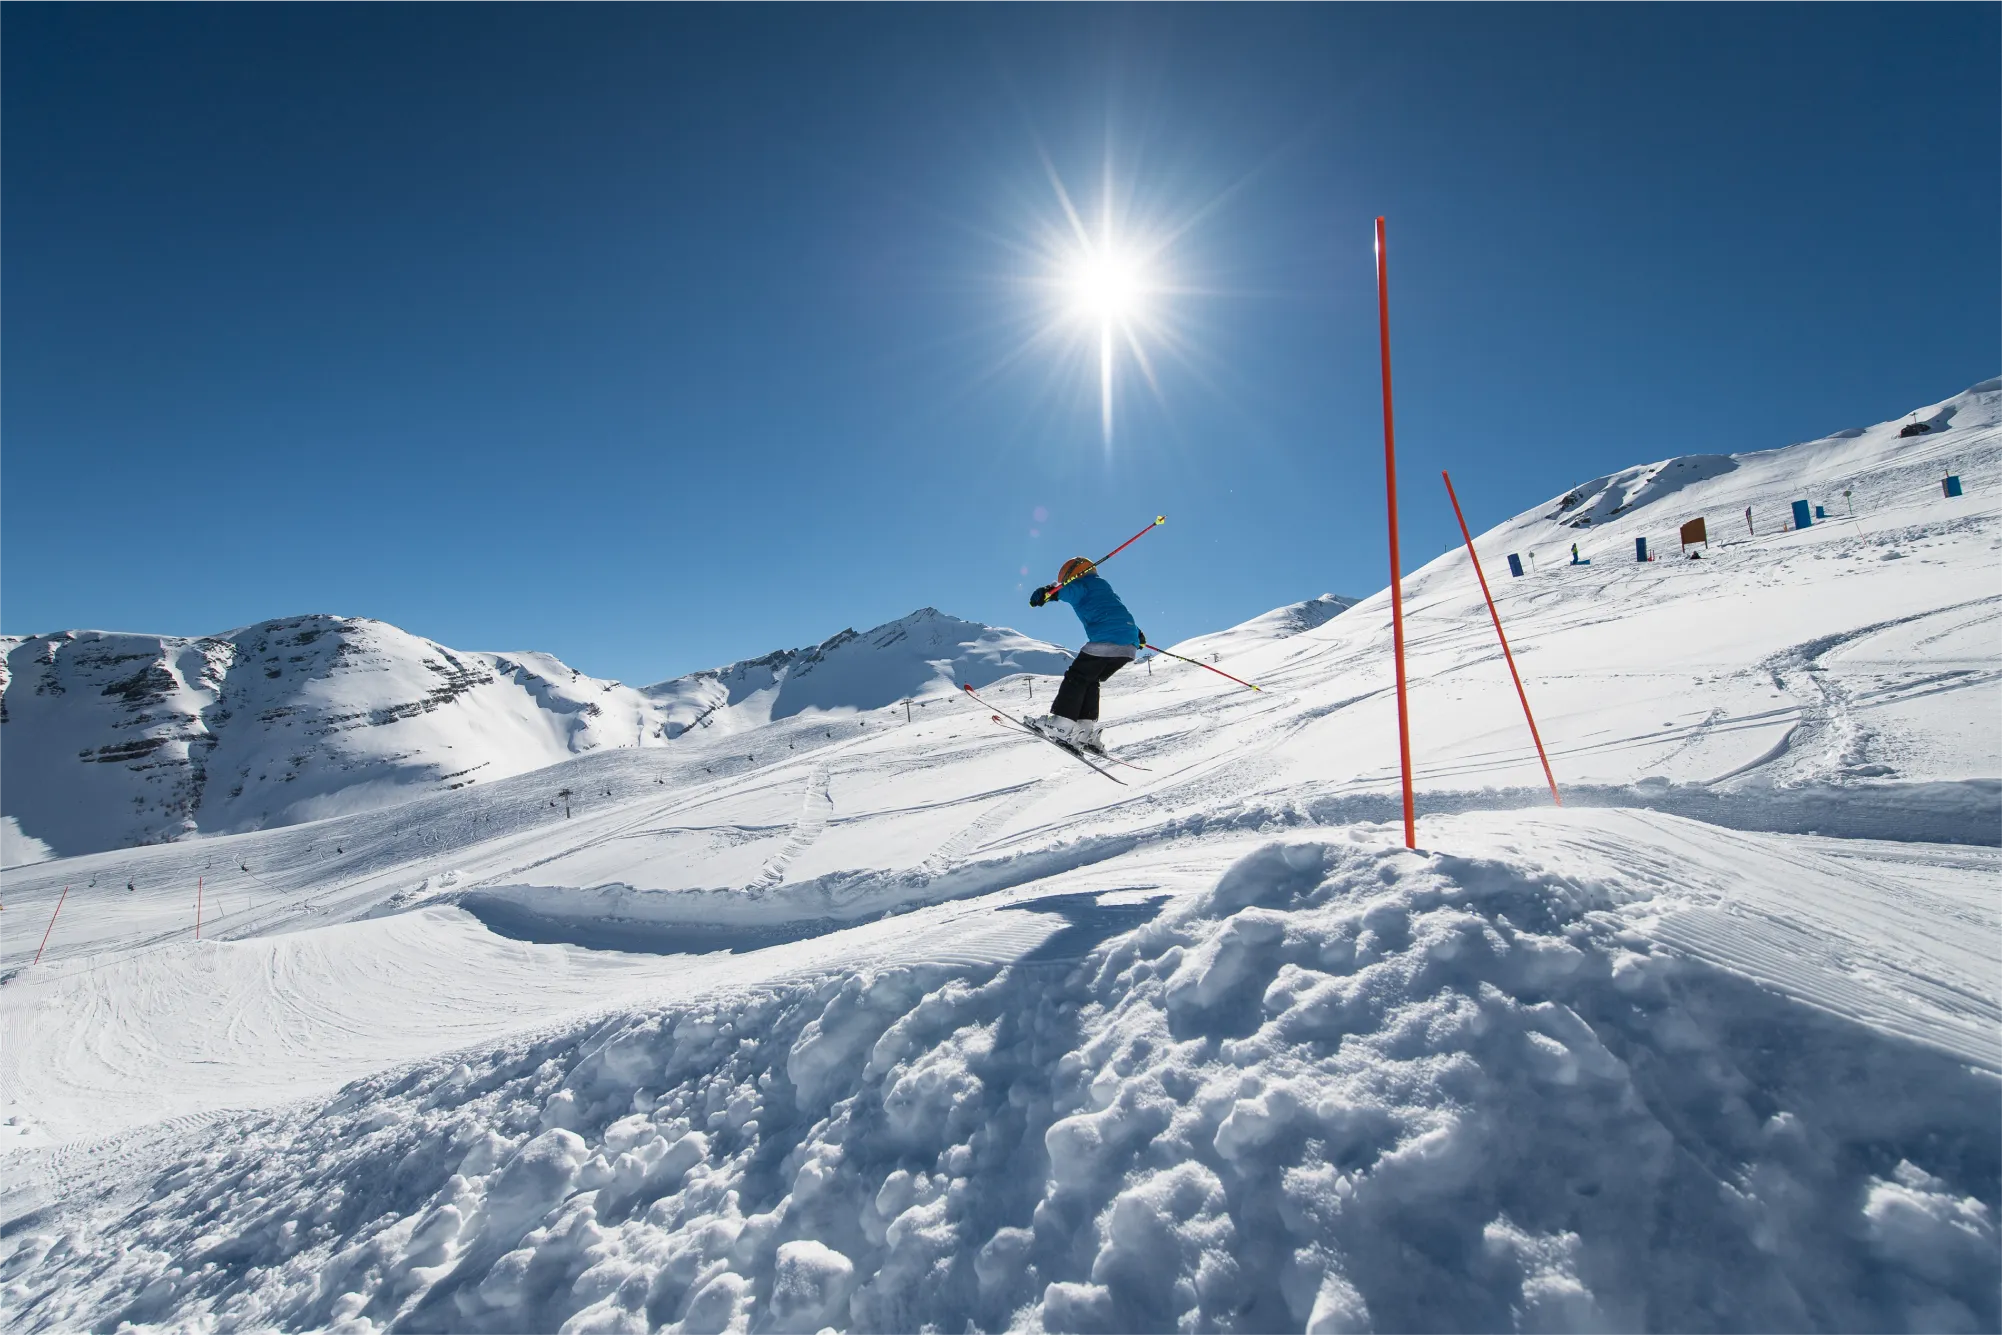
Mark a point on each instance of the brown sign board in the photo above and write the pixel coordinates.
(1694, 531)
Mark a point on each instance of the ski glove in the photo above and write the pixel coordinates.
(1042, 595)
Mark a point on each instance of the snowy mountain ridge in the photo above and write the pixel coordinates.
(1278, 624)
(1777, 476)
(119, 739)
(154, 738)
(925, 653)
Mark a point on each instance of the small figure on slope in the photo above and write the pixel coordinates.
(1112, 641)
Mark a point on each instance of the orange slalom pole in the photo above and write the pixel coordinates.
(1396, 571)
(1520, 694)
(51, 927)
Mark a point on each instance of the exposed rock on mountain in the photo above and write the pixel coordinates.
(119, 739)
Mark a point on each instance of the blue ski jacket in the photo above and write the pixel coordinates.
(1105, 617)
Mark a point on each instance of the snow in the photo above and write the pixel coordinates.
(925, 654)
(1278, 624)
(17, 849)
(818, 1017)
(117, 739)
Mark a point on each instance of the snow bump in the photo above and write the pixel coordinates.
(1347, 1087)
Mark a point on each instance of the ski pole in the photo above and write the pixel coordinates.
(51, 927)
(1204, 666)
(1158, 521)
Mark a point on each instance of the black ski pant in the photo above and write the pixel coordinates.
(1077, 698)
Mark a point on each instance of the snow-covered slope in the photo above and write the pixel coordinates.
(1857, 471)
(114, 739)
(924, 654)
(1278, 624)
(842, 1020)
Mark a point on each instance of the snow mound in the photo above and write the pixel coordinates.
(1346, 1087)
(925, 653)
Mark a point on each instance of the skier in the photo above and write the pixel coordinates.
(1112, 641)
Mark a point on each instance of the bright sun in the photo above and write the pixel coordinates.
(1106, 281)
(1107, 287)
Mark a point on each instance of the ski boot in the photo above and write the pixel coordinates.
(1055, 727)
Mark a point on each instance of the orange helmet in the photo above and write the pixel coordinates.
(1074, 568)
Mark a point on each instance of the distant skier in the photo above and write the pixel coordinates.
(1112, 641)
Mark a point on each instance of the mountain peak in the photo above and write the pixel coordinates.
(925, 652)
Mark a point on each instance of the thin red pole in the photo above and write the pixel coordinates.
(1396, 570)
(51, 927)
(1158, 521)
(1520, 694)
(198, 908)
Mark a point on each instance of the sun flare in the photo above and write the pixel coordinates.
(1107, 286)
(1106, 283)
(1111, 286)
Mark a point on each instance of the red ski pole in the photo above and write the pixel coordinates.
(51, 927)
(1158, 521)
(1204, 666)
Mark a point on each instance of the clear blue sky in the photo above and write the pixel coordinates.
(656, 337)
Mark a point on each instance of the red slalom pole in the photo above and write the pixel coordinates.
(1205, 666)
(1520, 694)
(50, 928)
(1396, 571)
(1158, 521)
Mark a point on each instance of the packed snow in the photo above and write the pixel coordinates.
(838, 1013)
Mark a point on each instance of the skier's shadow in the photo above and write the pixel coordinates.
(1087, 922)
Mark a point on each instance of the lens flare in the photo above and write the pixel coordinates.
(1107, 283)
(1106, 288)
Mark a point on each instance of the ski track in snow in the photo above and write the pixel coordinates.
(847, 1020)
(816, 806)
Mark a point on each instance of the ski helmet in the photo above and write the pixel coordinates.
(1074, 568)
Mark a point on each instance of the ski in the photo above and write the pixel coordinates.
(1072, 752)
(1096, 755)
(1007, 720)
(1012, 726)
